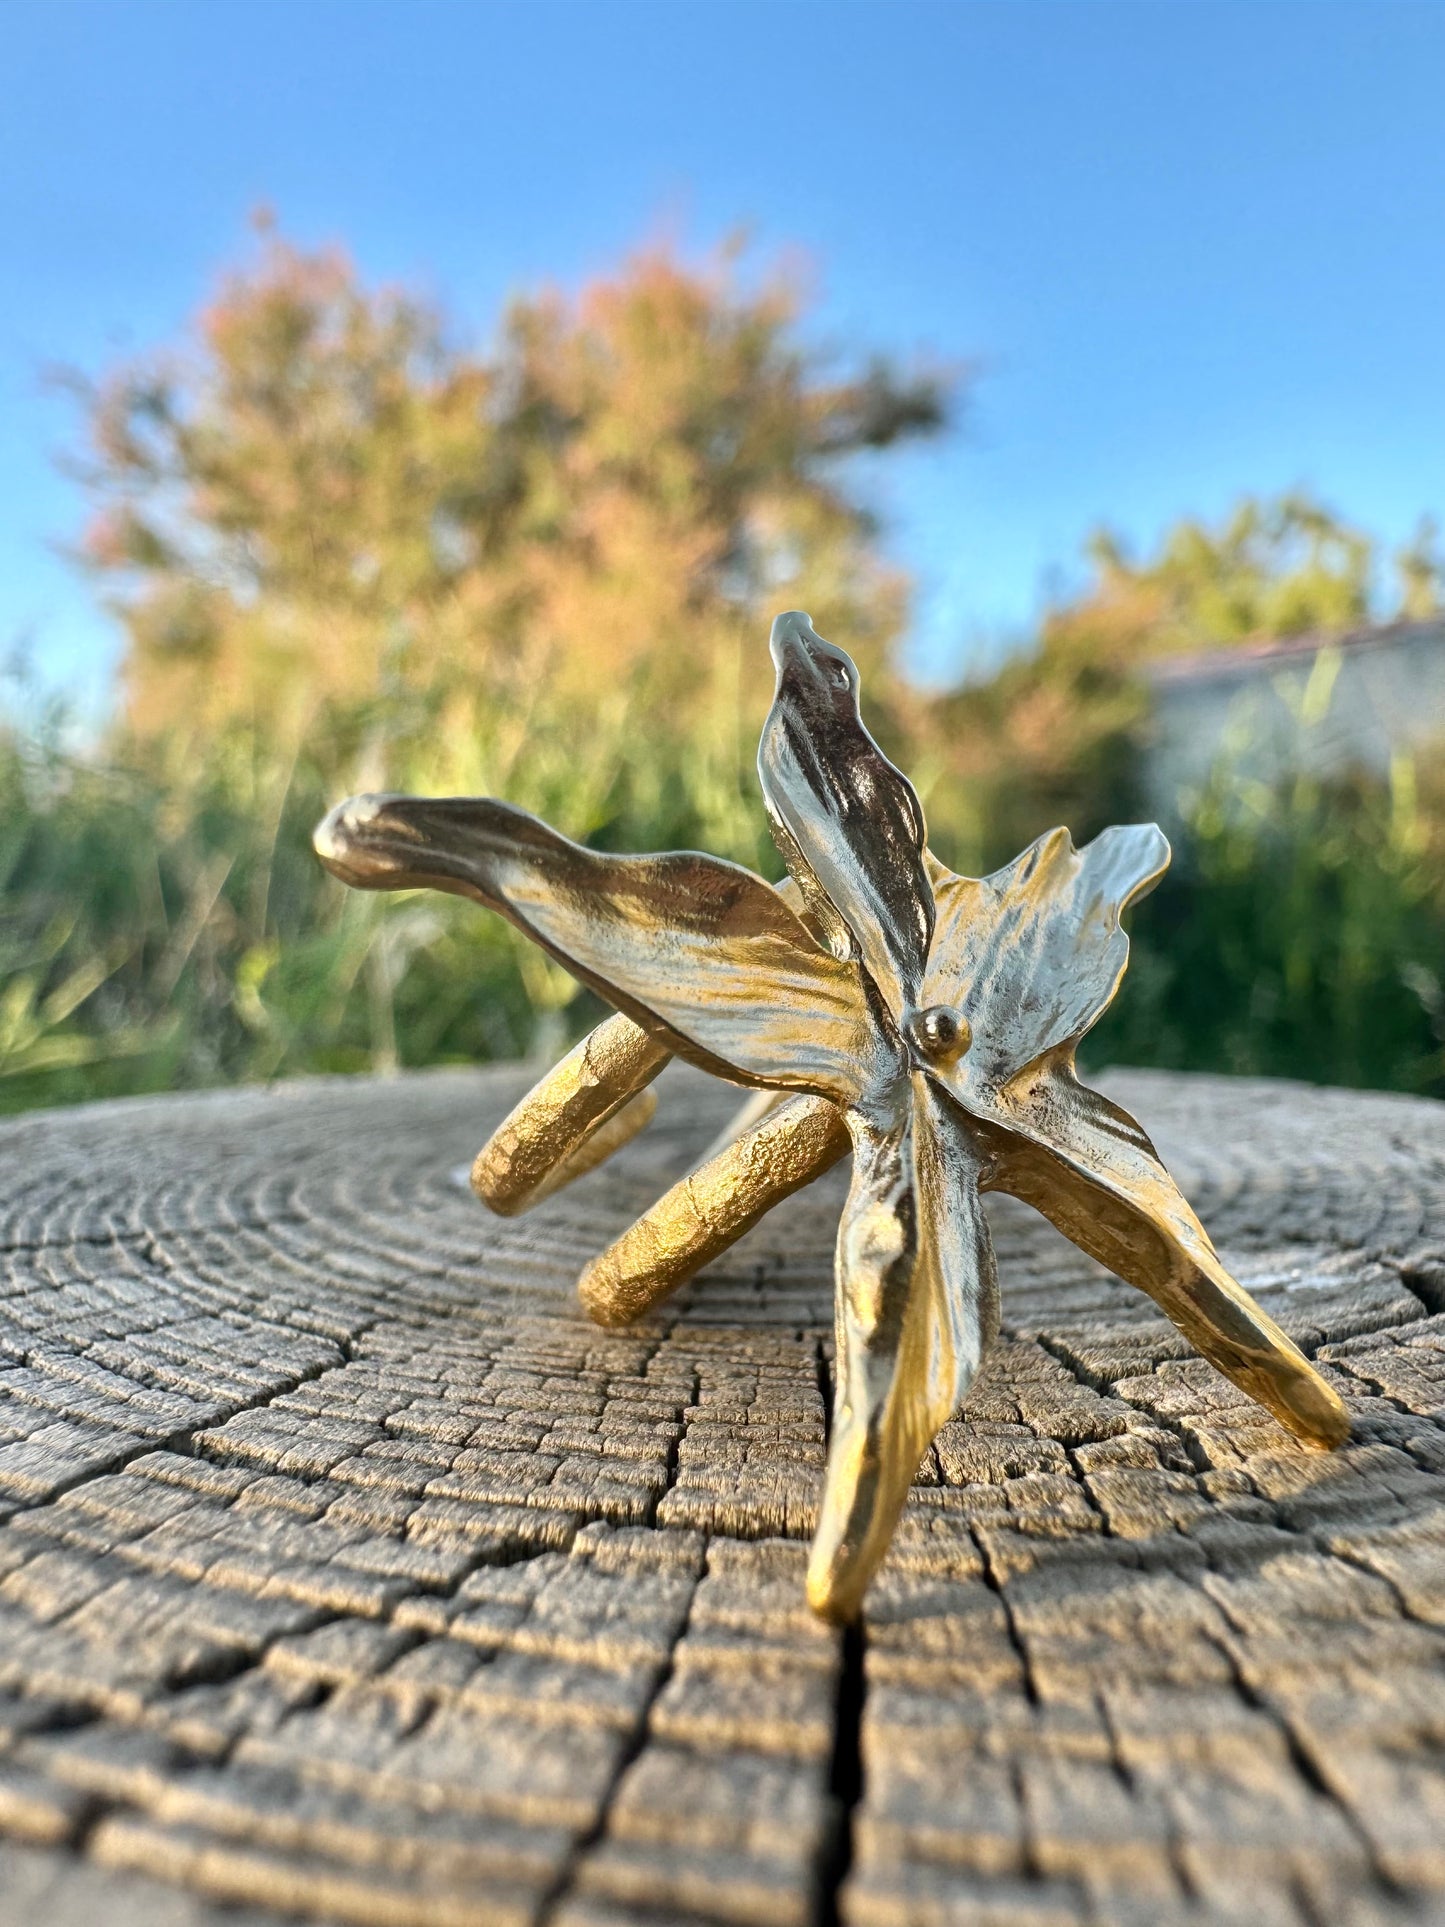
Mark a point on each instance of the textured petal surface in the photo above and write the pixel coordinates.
(1033, 954)
(695, 1222)
(917, 1308)
(702, 949)
(848, 824)
(1089, 1167)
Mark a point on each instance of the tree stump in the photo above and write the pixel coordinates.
(348, 1573)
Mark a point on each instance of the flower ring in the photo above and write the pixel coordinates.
(926, 1021)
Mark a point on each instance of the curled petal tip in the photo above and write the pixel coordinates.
(344, 839)
(863, 1495)
(853, 1532)
(1151, 854)
(332, 836)
(796, 645)
(791, 627)
(1319, 1417)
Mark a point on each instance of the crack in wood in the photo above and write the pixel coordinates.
(396, 1627)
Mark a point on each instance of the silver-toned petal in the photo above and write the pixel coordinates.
(1089, 1167)
(848, 824)
(698, 950)
(1032, 955)
(916, 1310)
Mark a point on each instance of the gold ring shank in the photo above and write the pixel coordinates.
(711, 1209)
(583, 1110)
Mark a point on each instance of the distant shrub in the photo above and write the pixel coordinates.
(1300, 933)
(164, 923)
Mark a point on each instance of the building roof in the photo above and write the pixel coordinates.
(1244, 660)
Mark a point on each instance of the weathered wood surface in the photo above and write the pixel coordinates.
(350, 1574)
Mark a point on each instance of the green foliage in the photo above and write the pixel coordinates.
(165, 923)
(348, 554)
(1273, 568)
(322, 492)
(1301, 933)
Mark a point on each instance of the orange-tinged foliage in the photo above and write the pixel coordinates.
(325, 496)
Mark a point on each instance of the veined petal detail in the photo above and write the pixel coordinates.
(700, 950)
(916, 1310)
(1033, 954)
(849, 825)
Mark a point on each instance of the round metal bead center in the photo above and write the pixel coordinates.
(939, 1034)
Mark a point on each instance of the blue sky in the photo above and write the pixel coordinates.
(1196, 248)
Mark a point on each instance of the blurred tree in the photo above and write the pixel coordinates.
(1285, 567)
(349, 552)
(1057, 735)
(1420, 567)
(324, 495)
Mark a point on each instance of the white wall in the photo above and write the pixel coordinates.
(1354, 705)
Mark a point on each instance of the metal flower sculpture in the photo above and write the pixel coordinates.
(925, 1020)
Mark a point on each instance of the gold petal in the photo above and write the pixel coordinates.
(1033, 954)
(709, 1210)
(699, 950)
(586, 1107)
(848, 824)
(917, 1308)
(1088, 1166)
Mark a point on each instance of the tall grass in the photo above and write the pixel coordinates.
(1300, 933)
(164, 925)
